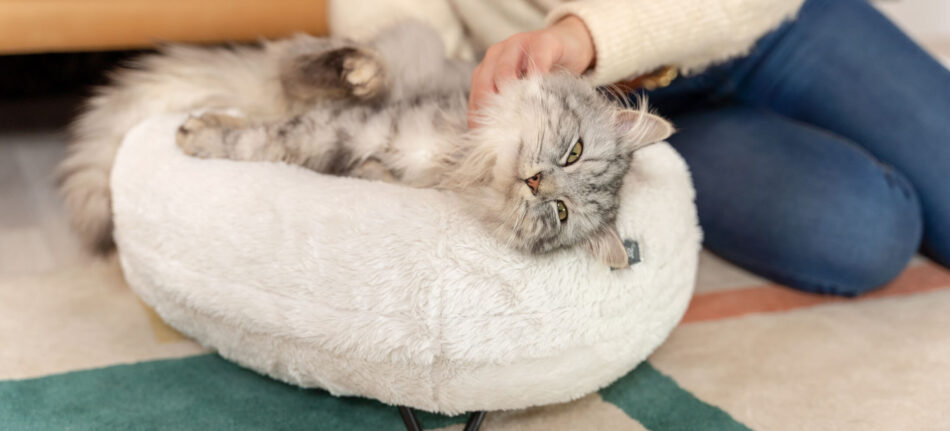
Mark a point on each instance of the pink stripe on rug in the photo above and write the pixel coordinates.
(772, 297)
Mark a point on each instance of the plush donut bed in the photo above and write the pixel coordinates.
(394, 293)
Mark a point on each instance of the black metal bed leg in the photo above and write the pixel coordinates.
(412, 422)
(474, 421)
(409, 418)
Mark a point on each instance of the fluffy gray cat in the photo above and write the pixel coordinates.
(542, 171)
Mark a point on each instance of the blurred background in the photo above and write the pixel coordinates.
(927, 21)
(52, 52)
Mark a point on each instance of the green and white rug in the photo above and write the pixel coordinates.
(78, 351)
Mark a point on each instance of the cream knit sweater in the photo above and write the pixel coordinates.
(632, 37)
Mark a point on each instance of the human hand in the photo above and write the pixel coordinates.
(567, 43)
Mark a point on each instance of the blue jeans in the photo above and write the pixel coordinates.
(822, 159)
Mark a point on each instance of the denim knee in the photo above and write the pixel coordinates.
(796, 204)
(852, 264)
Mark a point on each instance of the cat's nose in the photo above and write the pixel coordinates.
(533, 183)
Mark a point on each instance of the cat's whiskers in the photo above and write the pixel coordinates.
(505, 219)
(514, 229)
(540, 146)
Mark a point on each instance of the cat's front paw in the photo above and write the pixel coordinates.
(203, 135)
(348, 72)
(363, 72)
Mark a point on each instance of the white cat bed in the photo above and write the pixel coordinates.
(394, 293)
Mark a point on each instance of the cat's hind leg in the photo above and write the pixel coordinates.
(305, 140)
(212, 135)
(373, 169)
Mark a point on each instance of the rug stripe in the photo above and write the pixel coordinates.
(198, 393)
(657, 402)
(774, 298)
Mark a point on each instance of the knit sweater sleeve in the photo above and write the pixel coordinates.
(361, 20)
(633, 37)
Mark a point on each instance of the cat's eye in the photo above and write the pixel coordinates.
(575, 153)
(561, 211)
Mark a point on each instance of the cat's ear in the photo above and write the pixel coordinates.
(607, 247)
(642, 128)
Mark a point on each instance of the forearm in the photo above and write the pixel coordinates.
(635, 37)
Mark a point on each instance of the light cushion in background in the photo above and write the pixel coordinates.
(389, 292)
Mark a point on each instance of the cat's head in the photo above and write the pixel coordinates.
(556, 151)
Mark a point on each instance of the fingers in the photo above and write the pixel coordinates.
(508, 65)
(503, 61)
(535, 52)
(543, 51)
(483, 82)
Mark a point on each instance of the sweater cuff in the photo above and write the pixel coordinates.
(636, 37)
(610, 27)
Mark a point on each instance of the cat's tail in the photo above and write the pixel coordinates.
(179, 79)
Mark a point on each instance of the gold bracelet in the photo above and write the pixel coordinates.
(659, 78)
